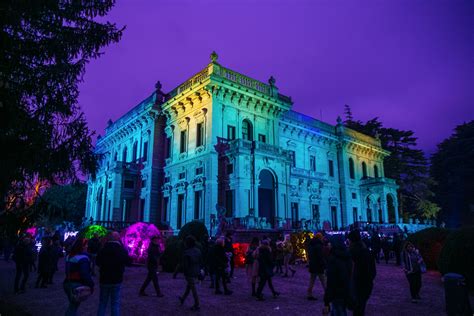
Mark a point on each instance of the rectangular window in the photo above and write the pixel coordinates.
(168, 147)
(199, 171)
(230, 168)
(143, 183)
(199, 134)
(164, 214)
(167, 179)
(142, 210)
(354, 195)
(331, 168)
(354, 214)
(262, 138)
(109, 208)
(230, 132)
(110, 184)
(179, 221)
(294, 214)
(334, 217)
(292, 158)
(312, 163)
(182, 143)
(182, 175)
(315, 209)
(145, 151)
(128, 184)
(127, 210)
(229, 203)
(197, 204)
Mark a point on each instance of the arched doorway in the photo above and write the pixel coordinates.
(391, 209)
(266, 196)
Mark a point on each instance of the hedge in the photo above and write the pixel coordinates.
(430, 241)
(457, 254)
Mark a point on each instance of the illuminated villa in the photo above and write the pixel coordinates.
(223, 146)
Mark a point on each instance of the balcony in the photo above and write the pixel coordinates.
(126, 167)
(310, 174)
(371, 181)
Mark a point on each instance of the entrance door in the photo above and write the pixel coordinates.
(334, 217)
(266, 196)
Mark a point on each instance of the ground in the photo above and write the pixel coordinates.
(390, 296)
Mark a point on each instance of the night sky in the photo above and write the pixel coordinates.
(411, 63)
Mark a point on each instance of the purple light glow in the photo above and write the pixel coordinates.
(136, 239)
(32, 231)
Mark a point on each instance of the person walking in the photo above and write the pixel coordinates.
(45, 262)
(288, 253)
(363, 272)
(221, 260)
(192, 263)
(111, 259)
(412, 266)
(229, 249)
(252, 264)
(376, 245)
(77, 268)
(23, 257)
(265, 270)
(154, 254)
(338, 293)
(316, 264)
(93, 249)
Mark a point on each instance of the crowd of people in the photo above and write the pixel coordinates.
(344, 265)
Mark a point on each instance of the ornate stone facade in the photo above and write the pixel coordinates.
(225, 145)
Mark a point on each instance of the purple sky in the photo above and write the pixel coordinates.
(411, 63)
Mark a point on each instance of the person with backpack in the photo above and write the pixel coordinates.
(78, 284)
(153, 257)
(192, 263)
(252, 264)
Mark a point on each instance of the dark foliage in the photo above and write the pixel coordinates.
(195, 228)
(173, 251)
(452, 168)
(45, 47)
(457, 254)
(406, 164)
(430, 241)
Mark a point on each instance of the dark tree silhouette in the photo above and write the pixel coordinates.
(45, 47)
(452, 168)
(406, 164)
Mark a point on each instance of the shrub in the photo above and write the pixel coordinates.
(457, 255)
(430, 241)
(195, 228)
(172, 253)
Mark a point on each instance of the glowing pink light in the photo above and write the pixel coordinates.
(32, 231)
(137, 239)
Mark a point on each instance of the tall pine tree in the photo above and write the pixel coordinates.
(406, 164)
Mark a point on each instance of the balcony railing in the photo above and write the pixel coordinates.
(377, 181)
(299, 172)
(127, 166)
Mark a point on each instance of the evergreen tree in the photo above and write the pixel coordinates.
(45, 48)
(452, 168)
(406, 164)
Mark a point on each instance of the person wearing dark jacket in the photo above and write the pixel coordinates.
(229, 249)
(363, 272)
(316, 263)
(45, 262)
(265, 269)
(153, 256)
(78, 274)
(23, 257)
(111, 259)
(192, 263)
(220, 264)
(339, 266)
(93, 249)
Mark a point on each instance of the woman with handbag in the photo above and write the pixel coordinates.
(413, 266)
(78, 284)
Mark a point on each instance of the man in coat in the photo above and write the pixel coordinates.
(317, 264)
(154, 253)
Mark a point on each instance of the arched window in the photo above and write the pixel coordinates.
(124, 154)
(364, 170)
(376, 171)
(351, 168)
(247, 132)
(134, 151)
(115, 156)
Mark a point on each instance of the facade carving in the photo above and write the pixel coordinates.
(224, 141)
